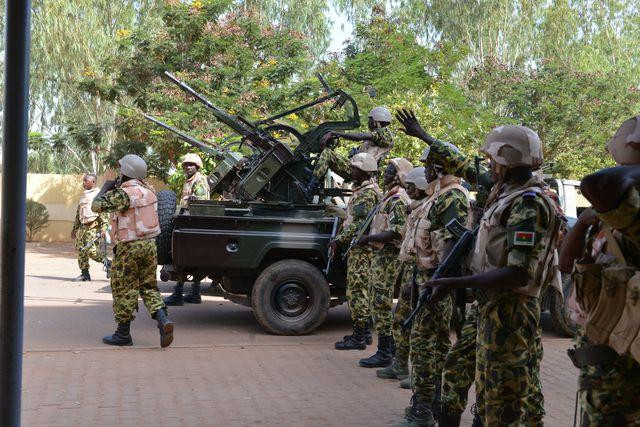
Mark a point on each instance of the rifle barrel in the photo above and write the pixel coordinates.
(183, 136)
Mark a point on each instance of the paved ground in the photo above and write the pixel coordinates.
(222, 369)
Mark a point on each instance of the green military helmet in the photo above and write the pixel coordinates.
(417, 178)
(133, 166)
(365, 162)
(624, 147)
(512, 146)
(426, 159)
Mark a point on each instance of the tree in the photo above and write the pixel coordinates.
(37, 218)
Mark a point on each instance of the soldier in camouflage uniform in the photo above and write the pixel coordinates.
(416, 184)
(513, 257)
(385, 236)
(365, 198)
(195, 187)
(87, 228)
(378, 142)
(429, 340)
(609, 381)
(135, 227)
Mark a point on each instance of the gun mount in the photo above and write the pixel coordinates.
(274, 171)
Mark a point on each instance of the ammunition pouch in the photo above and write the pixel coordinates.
(591, 355)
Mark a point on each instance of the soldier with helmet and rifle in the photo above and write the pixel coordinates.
(602, 252)
(363, 201)
(512, 257)
(385, 236)
(195, 187)
(135, 226)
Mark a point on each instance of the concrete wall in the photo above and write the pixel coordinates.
(60, 194)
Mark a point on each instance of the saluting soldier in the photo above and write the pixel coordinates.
(385, 236)
(364, 199)
(195, 187)
(135, 226)
(608, 343)
(88, 227)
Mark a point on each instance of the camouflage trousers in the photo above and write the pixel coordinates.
(508, 355)
(133, 274)
(329, 159)
(609, 392)
(430, 343)
(358, 278)
(385, 267)
(84, 235)
(460, 366)
(403, 308)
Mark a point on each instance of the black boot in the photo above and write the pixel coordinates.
(477, 422)
(418, 414)
(194, 297)
(83, 277)
(165, 326)
(368, 337)
(121, 336)
(357, 341)
(176, 297)
(384, 355)
(449, 420)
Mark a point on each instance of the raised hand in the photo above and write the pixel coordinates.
(411, 125)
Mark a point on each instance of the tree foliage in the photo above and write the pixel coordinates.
(37, 218)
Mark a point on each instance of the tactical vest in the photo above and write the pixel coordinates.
(491, 248)
(140, 221)
(381, 221)
(85, 213)
(188, 186)
(607, 291)
(364, 187)
(376, 151)
(429, 243)
(408, 245)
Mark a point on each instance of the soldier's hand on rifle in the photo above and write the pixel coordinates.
(408, 119)
(333, 246)
(108, 186)
(588, 217)
(440, 288)
(363, 241)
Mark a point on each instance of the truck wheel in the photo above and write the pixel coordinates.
(562, 324)
(166, 210)
(290, 297)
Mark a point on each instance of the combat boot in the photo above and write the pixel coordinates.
(418, 414)
(395, 371)
(384, 355)
(176, 297)
(194, 296)
(477, 421)
(449, 420)
(368, 336)
(406, 383)
(83, 277)
(121, 336)
(165, 326)
(357, 341)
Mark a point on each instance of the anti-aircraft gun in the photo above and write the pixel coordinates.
(274, 172)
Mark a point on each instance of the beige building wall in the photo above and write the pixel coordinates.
(60, 194)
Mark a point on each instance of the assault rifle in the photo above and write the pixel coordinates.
(331, 253)
(450, 266)
(364, 227)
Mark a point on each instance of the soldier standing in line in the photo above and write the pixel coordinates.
(135, 226)
(88, 227)
(364, 199)
(385, 236)
(512, 258)
(378, 142)
(195, 187)
(447, 201)
(416, 184)
(609, 381)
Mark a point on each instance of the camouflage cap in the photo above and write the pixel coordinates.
(133, 166)
(380, 114)
(624, 147)
(403, 166)
(513, 145)
(192, 158)
(365, 162)
(417, 178)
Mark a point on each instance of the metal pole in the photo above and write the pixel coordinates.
(14, 186)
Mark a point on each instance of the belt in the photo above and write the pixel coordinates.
(591, 355)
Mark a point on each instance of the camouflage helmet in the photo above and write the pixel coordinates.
(365, 162)
(417, 178)
(424, 158)
(624, 147)
(193, 158)
(133, 166)
(380, 114)
(513, 145)
(403, 167)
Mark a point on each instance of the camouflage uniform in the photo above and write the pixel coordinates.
(330, 159)
(401, 335)
(364, 200)
(134, 266)
(85, 233)
(195, 187)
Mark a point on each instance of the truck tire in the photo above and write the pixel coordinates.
(166, 210)
(562, 324)
(290, 297)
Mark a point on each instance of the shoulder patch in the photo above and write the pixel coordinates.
(524, 238)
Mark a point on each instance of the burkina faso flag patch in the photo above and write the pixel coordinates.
(524, 238)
